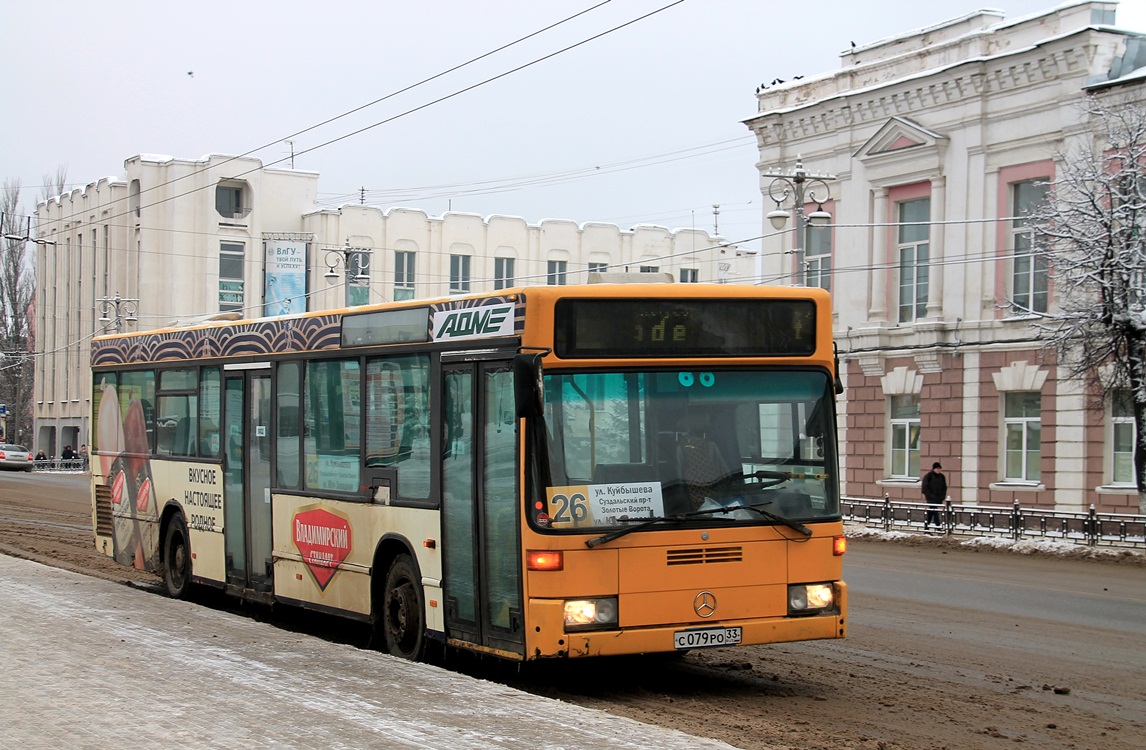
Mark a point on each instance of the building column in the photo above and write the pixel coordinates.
(969, 472)
(877, 258)
(938, 229)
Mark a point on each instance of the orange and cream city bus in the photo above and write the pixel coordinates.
(553, 471)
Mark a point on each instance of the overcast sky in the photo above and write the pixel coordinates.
(641, 125)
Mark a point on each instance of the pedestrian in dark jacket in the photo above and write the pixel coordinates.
(934, 488)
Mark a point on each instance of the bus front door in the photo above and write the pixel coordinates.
(482, 546)
(247, 472)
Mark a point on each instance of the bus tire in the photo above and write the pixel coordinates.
(177, 559)
(402, 610)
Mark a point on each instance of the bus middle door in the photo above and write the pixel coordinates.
(481, 540)
(247, 479)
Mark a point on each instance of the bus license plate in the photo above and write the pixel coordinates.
(702, 637)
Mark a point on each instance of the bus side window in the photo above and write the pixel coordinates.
(397, 414)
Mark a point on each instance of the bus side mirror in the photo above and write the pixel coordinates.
(527, 391)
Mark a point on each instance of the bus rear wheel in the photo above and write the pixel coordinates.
(402, 610)
(176, 559)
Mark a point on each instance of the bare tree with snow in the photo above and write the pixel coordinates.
(1092, 234)
(17, 288)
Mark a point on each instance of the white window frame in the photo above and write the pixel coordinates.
(231, 200)
(232, 251)
(1027, 429)
(403, 275)
(357, 277)
(914, 256)
(555, 273)
(818, 257)
(690, 275)
(502, 273)
(1030, 273)
(905, 453)
(459, 274)
(1122, 423)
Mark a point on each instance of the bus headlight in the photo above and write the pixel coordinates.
(809, 598)
(590, 614)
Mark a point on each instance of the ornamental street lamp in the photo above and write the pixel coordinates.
(801, 188)
(117, 311)
(355, 259)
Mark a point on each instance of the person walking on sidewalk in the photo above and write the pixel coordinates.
(934, 488)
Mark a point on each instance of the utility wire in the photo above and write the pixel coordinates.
(412, 110)
(379, 100)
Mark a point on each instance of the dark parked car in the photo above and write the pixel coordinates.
(15, 457)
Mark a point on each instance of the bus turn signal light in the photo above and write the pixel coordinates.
(839, 545)
(537, 559)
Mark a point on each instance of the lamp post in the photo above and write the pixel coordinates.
(21, 238)
(802, 188)
(342, 255)
(356, 260)
(117, 311)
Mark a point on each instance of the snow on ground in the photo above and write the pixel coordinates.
(1050, 547)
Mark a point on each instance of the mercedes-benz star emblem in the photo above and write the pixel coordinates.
(704, 603)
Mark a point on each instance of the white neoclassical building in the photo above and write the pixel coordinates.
(178, 240)
(929, 143)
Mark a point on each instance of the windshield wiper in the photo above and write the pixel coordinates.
(678, 517)
(794, 525)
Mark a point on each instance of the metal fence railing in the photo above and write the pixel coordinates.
(61, 465)
(1014, 522)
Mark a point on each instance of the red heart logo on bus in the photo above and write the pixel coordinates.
(324, 540)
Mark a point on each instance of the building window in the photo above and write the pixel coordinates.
(229, 200)
(403, 275)
(106, 257)
(357, 278)
(650, 269)
(1122, 443)
(555, 273)
(689, 275)
(818, 257)
(502, 273)
(1029, 280)
(459, 274)
(1022, 423)
(905, 436)
(231, 263)
(913, 243)
(598, 267)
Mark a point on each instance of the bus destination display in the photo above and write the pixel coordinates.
(685, 328)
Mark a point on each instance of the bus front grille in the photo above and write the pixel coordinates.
(103, 520)
(704, 555)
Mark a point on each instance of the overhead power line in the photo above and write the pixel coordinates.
(410, 111)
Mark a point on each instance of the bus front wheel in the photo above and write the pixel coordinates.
(176, 559)
(402, 610)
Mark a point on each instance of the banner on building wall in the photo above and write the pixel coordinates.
(284, 290)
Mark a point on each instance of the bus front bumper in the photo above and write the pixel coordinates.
(547, 637)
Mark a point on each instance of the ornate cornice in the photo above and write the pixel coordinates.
(822, 107)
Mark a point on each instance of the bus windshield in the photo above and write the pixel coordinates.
(623, 446)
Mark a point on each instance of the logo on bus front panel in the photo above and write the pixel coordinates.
(324, 540)
(705, 604)
(473, 323)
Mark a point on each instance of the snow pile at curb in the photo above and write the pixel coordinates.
(1050, 547)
